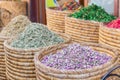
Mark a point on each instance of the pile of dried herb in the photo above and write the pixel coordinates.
(70, 5)
(15, 26)
(36, 35)
(74, 57)
(114, 24)
(93, 12)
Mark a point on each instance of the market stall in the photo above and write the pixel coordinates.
(59, 40)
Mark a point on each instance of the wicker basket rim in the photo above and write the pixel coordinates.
(37, 61)
(90, 21)
(4, 37)
(6, 44)
(80, 76)
(105, 27)
(26, 50)
(66, 11)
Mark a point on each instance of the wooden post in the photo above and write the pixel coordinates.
(116, 7)
(81, 2)
(38, 11)
(28, 7)
(33, 11)
(42, 11)
(86, 3)
(119, 8)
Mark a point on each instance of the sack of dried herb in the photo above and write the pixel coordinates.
(15, 26)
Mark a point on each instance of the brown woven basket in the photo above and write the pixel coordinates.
(46, 73)
(82, 30)
(10, 9)
(56, 19)
(19, 62)
(2, 58)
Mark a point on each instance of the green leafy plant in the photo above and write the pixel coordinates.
(93, 12)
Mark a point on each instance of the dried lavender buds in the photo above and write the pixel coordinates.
(74, 57)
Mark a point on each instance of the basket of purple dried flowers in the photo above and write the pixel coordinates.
(85, 61)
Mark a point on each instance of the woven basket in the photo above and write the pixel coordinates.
(19, 62)
(11, 9)
(110, 37)
(56, 19)
(2, 58)
(46, 73)
(82, 30)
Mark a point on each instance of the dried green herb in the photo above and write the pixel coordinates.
(36, 35)
(93, 12)
(15, 26)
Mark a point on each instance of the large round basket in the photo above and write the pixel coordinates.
(19, 62)
(2, 58)
(47, 73)
(11, 9)
(82, 30)
(56, 19)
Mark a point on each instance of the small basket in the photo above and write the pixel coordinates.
(82, 30)
(46, 73)
(56, 19)
(19, 62)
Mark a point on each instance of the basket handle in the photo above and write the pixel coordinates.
(108, 74)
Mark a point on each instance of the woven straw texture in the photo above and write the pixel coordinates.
(110, 37)
(2, 58)
(81, 30)
(10, 9)
(56, 19)
(19, 62)
(46, 73)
